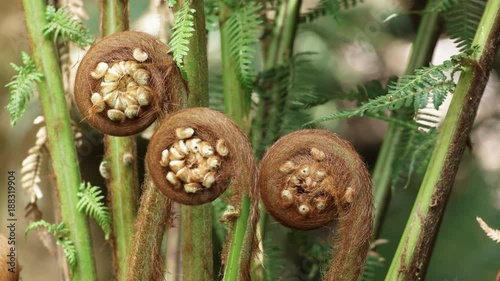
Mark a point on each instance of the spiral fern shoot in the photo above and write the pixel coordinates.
(243, 29)
(61, 233)
(21, 87)
(183, 30)
(91, 203)
(61, 25)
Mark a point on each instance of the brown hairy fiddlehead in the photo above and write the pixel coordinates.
(125, 82)
(195, 153)
(9, 265)
(311, 177)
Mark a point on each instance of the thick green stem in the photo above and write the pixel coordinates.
(121, 155)
(237, 107)
(415, 247)
(421, 55)
(60, 136)
(196, 221)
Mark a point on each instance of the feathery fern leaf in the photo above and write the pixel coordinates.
(32, 164)
(91, 203)
(462, 21)
(411, 90)
(371, 265)
(61, 233)
(493, 234)
(172, 3)
(415, 146)
(60, 24)
(183, 30)
(242, 28)
(21, 87)
(441, 6)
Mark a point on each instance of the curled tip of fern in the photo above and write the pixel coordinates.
(309, 178)
(125, 82)
(195, 153)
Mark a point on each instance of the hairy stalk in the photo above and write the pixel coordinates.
(153, 219)
(121, 154)
(415, 247)
(60, 137)
(421, 54)
(196, 221)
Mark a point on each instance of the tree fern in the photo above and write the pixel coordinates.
(91, 203)
(243, 30)
(462, 20)
(182, 30)
(61, 25)
(21, 87)
(411, 90)
(61, 233)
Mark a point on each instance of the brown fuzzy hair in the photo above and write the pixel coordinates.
(345, 169)
(165, 80)
(237, 168)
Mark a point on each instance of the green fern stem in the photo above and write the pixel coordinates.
(236, 105)
(196, 221)
(421, 54)
(123, 184)
(415, 247)
(114, 16)
(61, 143)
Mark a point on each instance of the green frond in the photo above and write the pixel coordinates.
(462, 21)
(211, 15)
(61, 233)
(172, 3)
(242, 28)
(182, 30)
(91, 203)
(328, 7)
(61, 25)
(412, 154)
(441, 5)
(21, 87)
(215, 90)
(411, 90)
(371, 265)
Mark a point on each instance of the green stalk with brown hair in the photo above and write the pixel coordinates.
(60, 137)
(196, 221)
(123, 183)
(416, 244)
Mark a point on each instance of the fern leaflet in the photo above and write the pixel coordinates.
(183, 30)
(242, 29)
(441, 6)
(21, 87)
(462, 21)
(61, 233)
(60, 24)
(91, 204)
(411, 90)
(172, 3)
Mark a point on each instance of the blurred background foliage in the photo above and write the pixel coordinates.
(357, 47)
